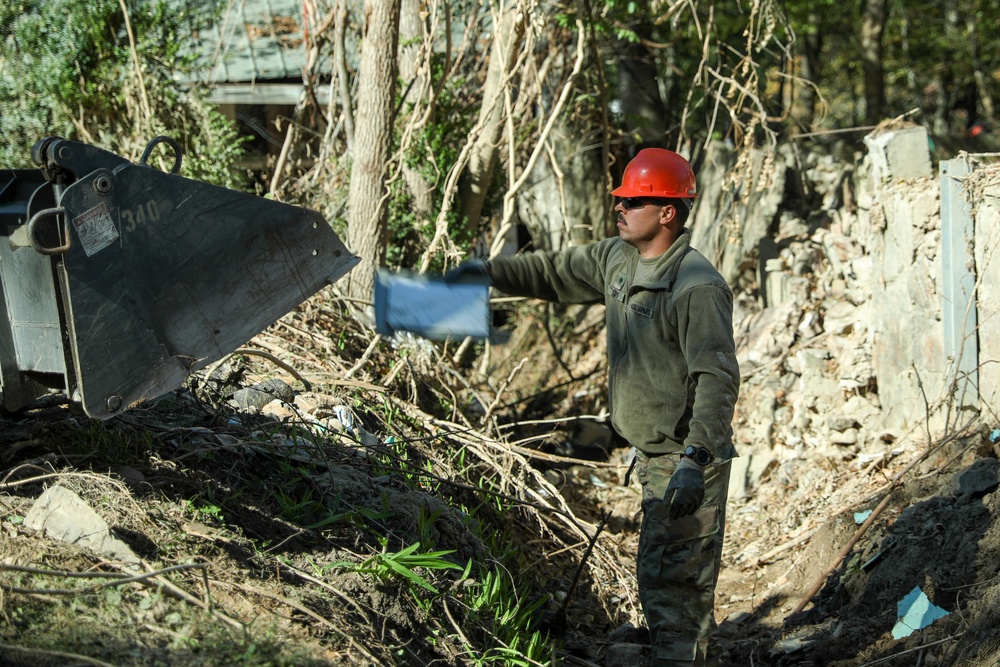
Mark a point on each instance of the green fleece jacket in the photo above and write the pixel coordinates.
(673, 376)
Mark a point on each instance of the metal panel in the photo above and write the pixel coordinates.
(27, 280)
(32, 312)
(30, 331)
(122, 279)
(958, 283)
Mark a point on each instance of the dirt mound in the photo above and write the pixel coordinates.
(936, 528)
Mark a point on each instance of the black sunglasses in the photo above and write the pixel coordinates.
(629, 203)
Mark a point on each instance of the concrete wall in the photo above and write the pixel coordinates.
(986, 188)
(908, 349)
(935, 356)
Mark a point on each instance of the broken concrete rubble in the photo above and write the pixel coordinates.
(899, 153)
(843, 350)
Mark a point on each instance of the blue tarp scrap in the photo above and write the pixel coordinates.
(915, 612)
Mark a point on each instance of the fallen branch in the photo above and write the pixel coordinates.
(790, 544)
(180, 594)
(322, 584)
(456, 626)
(561, 612)
(75, 657)
(118, 579)
(843, 553)
(276, 361)
(911, 650)
(33, 480)
(555, 458)
(500, 391)
(364, 357)
(308, 612)
(4, 485)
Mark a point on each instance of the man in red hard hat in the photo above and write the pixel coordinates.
(673, 383)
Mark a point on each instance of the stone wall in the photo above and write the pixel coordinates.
(841, 343)
(908, 355)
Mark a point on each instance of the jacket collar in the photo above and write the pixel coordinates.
(664, 273)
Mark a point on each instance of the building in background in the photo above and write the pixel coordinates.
(252, 54)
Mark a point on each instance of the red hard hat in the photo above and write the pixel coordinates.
(657, 172)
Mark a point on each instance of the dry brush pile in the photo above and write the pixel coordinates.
(320, 496)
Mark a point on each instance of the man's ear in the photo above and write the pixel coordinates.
(668, 214)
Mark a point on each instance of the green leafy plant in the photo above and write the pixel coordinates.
(387, 564)
(356, 516)
(500, 604)
(203, 510)
(296, 509)
(87, 71)
(425, 524)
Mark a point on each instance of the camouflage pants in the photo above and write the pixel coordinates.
(678, 565)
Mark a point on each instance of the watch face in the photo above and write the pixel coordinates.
(700, 455)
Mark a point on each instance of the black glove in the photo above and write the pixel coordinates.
(686, 489)
(472, 271)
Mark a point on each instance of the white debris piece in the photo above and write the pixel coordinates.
(62, 515)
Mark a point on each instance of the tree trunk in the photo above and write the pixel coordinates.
(941, 102)
(414, 76)
(944, 76)
(981, 77)
(367, 219)
(804, 109)
(905, 24)
(343, 78)
(872, 29)
(478, 175)
(645, 116)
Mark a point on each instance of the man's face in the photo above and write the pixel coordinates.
(640, 222)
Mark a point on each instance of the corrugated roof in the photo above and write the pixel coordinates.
(252, 41)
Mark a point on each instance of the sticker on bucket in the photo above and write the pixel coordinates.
(96, 229)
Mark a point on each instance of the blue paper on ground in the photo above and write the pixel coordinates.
(915, 612)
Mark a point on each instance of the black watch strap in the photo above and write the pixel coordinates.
(699, 455)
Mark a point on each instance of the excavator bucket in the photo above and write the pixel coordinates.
(119, 280)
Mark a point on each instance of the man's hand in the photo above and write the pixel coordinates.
(686, 489)
(474, 270)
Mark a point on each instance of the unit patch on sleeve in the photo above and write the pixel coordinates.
(617, 289)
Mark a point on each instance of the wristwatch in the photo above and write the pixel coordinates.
(699, 455)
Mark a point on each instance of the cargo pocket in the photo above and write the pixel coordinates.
(659, 529)
(680, 551)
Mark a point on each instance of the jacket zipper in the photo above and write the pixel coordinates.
(625, 345)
